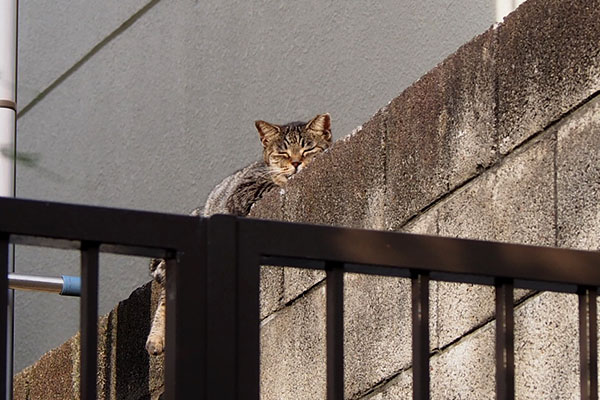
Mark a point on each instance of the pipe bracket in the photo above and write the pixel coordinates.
(8, 104)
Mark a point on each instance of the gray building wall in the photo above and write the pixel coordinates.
(148, 105)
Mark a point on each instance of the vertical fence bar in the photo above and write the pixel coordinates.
(248, 318)
(4, 254)
(588, 343)
(505, 333)
(185, 352)
(221, 304)
(335, 331)
(420, 335)
(88, 320)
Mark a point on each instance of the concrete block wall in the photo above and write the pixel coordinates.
(124, 369)
(501, 141)
(498, 142)
(148, 104)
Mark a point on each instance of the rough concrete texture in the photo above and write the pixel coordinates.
(293, 350)
(548, 61)
(377, 322)
(466, 369)
(426, 224)
(352, 172)
(52, 377)
(297, 281)
(513, 202)
(546, 357)
(271, 278)
(547, 348)
(398, 388)
(124, 368)
(132, 365)
(578, 176)
(440, 131)
(271, 289)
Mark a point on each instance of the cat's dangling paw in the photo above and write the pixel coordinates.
(155, 345)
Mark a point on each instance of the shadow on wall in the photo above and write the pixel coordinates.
(29, 160)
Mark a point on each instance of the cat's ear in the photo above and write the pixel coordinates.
(267, 131)
(320, 125)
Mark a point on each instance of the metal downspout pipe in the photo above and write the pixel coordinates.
(8, 123)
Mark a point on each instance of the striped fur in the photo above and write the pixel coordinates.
(287, 149)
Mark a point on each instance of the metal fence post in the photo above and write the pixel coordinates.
(588, 343)
(335, 330)
(248, 314)
(420, 335)
(88, 321)
(3, 310)
(505, 338)
(221, 307)
(185, 353)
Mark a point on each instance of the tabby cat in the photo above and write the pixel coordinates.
(287, 149)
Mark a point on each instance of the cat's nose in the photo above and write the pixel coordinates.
(296, 164)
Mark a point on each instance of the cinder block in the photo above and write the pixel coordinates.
(546, 347)
(271, 289)
(547, 63)
(105, 347)
(293, 350)
(578, 178)
(425, 224)
(270, 206)
(440, 131)
(399, 388)
(21, 384)
(297, 281)
(511, 203)
(130, 363)
(377, 320)
(466, 369)
(55, 376)
(461, 308)
(342, 187)
(546, 357)
(271, 278)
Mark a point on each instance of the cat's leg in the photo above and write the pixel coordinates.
(155, 344)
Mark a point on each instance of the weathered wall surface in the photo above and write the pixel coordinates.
(501, 141)
(148, 104)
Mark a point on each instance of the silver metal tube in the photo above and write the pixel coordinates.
(37, 283)
(8, 130)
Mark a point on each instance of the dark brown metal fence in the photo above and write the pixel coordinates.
(213, 346)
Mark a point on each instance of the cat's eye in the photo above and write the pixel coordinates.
(310, 151)
(281, 155)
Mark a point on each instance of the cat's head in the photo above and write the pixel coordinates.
(289, 148)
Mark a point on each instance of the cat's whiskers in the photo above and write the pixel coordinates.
(287, 149)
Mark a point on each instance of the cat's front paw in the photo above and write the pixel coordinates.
(155, 345)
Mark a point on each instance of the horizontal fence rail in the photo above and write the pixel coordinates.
(213, 346)
(92, 230)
